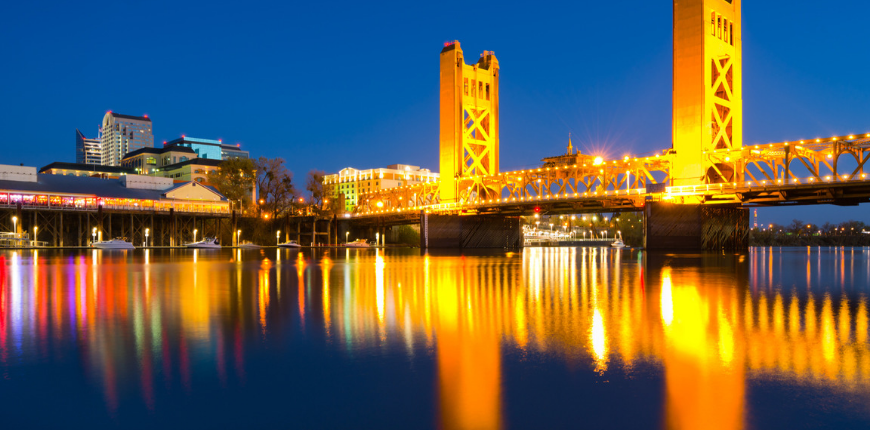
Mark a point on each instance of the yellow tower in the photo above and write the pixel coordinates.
(708, 102)
(469, 118)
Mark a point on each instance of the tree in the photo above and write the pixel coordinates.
(322, 204)
(234, 178)
(275, 186)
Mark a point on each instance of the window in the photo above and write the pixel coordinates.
(473, 85)
(487, 92)
(466, 86)
(713, 24)
(480, 89)
(731, 34)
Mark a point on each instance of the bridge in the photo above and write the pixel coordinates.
(694, 195)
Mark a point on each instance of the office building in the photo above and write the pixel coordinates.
(208, 148)
(150, 161)
(123, 134)
(88, 151)
(349, 182)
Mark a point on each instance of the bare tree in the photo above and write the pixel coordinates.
(277, 194)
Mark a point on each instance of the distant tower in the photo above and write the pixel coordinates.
(570, 147)
(469, 118)
(708, 87)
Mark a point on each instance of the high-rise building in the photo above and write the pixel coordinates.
(123, 134)
(88, 151)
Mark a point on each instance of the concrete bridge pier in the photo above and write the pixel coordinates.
(469, 232)
(681, 227)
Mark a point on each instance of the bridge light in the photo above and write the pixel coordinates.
(537, 210)
(598, 161)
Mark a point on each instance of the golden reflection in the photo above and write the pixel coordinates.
(710, 330)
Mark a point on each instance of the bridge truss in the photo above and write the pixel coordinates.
(830, 170)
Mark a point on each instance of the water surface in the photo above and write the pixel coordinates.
(543, 338)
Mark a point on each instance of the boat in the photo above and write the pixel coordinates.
(618, 244)
(249, 245)
(359, 243)
(207, 243)
(289, 244)
(116, 243)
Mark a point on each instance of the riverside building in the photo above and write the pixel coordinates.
(347, 184)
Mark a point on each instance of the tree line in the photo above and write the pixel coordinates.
(799, 233)
(276, 193)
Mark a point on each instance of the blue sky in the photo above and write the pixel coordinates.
(337, 84)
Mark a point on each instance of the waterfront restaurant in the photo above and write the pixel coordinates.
(21, 185)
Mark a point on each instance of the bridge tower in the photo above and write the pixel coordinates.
(469, 118)
(707, 98)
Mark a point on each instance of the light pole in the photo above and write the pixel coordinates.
(35, 229)
(146, 236)
(93, 235)
(238, 237)
(15, 226)
(194, 234)
(346, 234)
(278, 237)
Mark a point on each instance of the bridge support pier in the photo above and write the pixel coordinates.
(468, 232)
(679, 227)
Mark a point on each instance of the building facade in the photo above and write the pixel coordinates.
(209, 148)
(347, 184)
(123, 134)
(88, 151)
(152, 161)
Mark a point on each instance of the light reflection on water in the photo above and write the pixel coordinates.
(143, 327)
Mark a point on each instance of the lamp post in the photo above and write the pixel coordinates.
(15, 226)
(346, 234)
(93, 235)
(238, 237)
(35, 229)
(194, 234)
(146, 236)
(278, 237)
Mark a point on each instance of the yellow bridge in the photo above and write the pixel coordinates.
(708, 163)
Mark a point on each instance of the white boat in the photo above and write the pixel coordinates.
(359, 243)
(289, 244)
(617, 244)
(116, 243)
(249, 245)
(207, 243)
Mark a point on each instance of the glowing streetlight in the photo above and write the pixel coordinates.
(94, 235)
(146, 236)
(35, 229)
(194, 234)
(14, 225)
(278, 237)
(238, 237)
(346, 234)
(379, 204)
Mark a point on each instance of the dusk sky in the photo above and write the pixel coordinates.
(326, 85)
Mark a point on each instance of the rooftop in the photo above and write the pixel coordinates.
(87, 168)
(136, 118)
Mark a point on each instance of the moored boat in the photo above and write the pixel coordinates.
(207, 243)
(359, 243)
(289, 244)
(249, 245)
(618, 244)
(116, 243)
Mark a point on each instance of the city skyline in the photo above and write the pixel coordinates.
(571, 69)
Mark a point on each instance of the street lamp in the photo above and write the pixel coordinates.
(238, 237)
(146, 236)
(194, 234)
(14, 225)
(278, 237)
(35, 229)
(93, 235)
(346, 234)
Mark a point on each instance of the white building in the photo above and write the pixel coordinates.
(123, 134)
